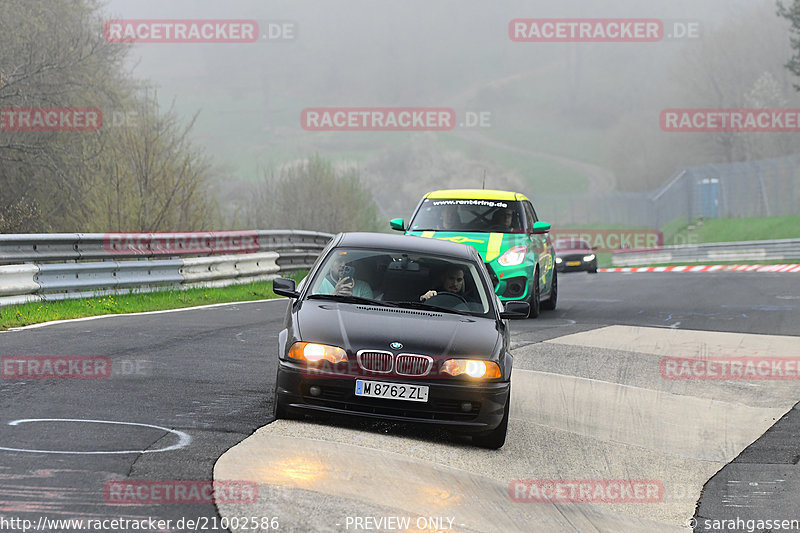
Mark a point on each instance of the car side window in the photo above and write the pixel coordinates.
(530, 214)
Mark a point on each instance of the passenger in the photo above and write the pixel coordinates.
(450, 219)
(340, 280)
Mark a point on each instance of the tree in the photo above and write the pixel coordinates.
(51, 55)
(145, 176)
(735, 65)
(792, 14)
(312, 195)
(150, 177)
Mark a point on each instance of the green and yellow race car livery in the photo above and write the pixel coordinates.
(504, 228)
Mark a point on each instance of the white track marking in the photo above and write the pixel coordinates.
(183, 438)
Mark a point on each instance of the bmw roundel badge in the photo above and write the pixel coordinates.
(396, 345)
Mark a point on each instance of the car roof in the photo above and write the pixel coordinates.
(476, 194)
(405, 243)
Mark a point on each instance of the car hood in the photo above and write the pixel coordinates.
(357, 327)
(489, 245)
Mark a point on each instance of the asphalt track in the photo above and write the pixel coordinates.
(589, 404)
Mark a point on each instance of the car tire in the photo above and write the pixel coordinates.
(550, 303)
(495, 438)
(592, 271)
(534, 299)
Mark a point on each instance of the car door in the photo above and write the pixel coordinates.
(541, 246)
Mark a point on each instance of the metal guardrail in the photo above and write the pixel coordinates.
(775, 250)
(40, 247)
(59, 266)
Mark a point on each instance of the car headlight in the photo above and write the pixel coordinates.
(558, 260)
(314, 353)
(513, 256)
(474, 368)
(588, 258)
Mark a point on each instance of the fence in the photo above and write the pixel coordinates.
(747, 251)
(763, 188)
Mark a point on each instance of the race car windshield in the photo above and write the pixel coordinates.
(572, 244)
(402, 279)
(495, 216)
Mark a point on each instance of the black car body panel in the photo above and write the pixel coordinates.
(397, 335)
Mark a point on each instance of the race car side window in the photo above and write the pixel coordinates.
(530, 215)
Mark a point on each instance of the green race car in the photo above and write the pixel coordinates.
(505, 230)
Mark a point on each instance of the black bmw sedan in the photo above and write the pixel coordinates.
(399, 328)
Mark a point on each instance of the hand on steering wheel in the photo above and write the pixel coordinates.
(446, 294)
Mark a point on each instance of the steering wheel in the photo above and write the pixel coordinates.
(446, 299)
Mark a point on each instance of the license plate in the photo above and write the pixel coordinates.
(573, 263)
(391, 391)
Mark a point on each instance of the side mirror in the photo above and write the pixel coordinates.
(397, 224)
(516, 310)
(285, 287)
(541, 227)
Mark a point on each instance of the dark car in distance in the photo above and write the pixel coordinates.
(400, 328)
(575, 255)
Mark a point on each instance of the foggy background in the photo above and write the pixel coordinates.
(575, 126)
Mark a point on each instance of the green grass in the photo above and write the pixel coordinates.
(37, 312)
(732, 230)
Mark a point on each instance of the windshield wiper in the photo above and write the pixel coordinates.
(351, 299)
(420, 305)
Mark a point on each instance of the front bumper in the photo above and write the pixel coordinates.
(444, 405)
(576, 265)
(514, 283)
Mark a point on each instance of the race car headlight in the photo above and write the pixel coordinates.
(314, 353)
(474, 368)
(588, 258)
(513, 256)
(558, 260)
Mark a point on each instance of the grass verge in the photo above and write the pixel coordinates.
(13, 316)
(737, 229)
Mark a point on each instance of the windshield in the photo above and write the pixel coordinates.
(402, 279)
(571, 244)
(497, 216)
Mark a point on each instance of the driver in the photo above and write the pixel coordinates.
(451, 280)
(502, 219)
(339, 280)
